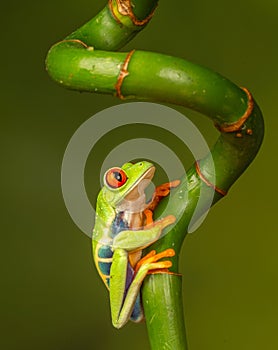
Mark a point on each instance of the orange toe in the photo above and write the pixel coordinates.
(149, 217)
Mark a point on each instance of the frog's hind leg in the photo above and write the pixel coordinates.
(137, 314)
(147, 265)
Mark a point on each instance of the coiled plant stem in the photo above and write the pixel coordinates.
(88, 60)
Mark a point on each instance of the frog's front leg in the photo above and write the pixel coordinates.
(159, 193)
(134, 240)
(122, 299)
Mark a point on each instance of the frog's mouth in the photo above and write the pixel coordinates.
(135, 199)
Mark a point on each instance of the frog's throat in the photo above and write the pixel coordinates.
(133, 206)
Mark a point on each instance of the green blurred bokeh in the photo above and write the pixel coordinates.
(51, 295)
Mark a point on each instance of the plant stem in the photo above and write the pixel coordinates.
(84, 62)
(166, 329)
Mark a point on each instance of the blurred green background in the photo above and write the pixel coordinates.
(51, 295)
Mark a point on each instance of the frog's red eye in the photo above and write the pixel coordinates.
(115, 178)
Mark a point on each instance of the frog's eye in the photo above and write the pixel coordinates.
(115, 178)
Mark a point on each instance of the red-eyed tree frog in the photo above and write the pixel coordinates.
(123, 228)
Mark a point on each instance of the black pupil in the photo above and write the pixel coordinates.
(118, 176)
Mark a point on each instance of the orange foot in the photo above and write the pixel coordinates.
(152, 257)
(161, 192)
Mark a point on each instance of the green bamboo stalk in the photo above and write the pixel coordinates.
(166, 329)
(84, 62)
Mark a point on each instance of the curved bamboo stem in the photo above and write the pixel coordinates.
(84, 62)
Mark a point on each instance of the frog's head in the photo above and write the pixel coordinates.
(127, 184)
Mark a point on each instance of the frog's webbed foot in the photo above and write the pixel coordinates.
(151, 263)
(161, 192)
(164, 189)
